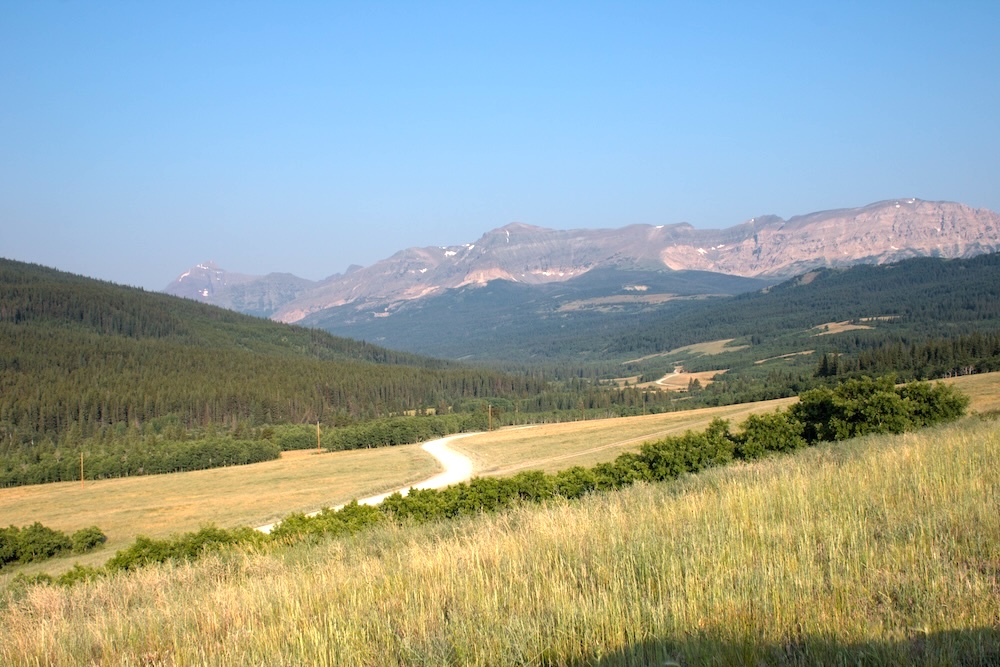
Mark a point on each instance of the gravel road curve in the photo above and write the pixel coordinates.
(457, 469)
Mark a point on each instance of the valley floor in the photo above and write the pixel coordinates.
(303, 481)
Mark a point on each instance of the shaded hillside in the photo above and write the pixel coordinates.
(920, 318)
(917, 298)
(85, 355)
(521, 323)
(567, 324)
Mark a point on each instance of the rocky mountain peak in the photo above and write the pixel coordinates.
(763, 246)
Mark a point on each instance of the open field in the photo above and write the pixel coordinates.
(159, 505)
(857, 552)
(253, 495)
(983, 389)
(610, 303)
(676, 381)
(679, 380)
(837, 327)
(706, 348)
(552, 447)
(786, 356)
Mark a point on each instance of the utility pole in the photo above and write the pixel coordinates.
(489, 411)
(81, 468)
(318, 448)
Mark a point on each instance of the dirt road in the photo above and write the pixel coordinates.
(457, 468)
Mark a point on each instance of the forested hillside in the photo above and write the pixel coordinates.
(524, 323)
(568, 327)
(122, 370)
(917, 299)
(919, 319)
(143, 382)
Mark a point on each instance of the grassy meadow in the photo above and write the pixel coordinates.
(252, 495)
(883, 550)
(553, 447)
(302, 481)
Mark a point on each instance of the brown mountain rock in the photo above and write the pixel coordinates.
(765, 246)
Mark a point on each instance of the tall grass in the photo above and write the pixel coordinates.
(878, 551)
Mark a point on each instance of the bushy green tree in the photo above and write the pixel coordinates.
(773, 432)
(38, 542)
(933, 403)
(87, 539)
(574, 482)
(864, 405)
(9, 544)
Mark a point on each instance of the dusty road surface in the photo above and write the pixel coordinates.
(457, 468)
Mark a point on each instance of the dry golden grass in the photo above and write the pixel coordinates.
(785, 356)
(706, 348)
(837, 327)
(612, 303)
(253, 495)
(679, 381)
(983, 389)
(854, 553)
(159, 505)
(552, 447)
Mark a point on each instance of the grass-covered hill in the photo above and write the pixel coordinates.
(854, 552)
(84, 360)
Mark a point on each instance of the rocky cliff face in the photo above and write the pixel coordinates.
(761, 247)
(883, 232)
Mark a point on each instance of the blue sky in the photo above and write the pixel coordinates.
(140, 138)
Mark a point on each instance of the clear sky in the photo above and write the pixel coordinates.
(140, 138)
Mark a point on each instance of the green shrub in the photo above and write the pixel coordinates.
(532, 486)
(295, 436)
(87, 539)
(860, 406)
(9, 545)
(418, 505)
(37, 542)
(348, 520)
(933, 403)
(143, 551)
(78, 573)
(574, 482)
(774, 432)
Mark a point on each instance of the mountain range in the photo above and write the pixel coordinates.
(637, 266)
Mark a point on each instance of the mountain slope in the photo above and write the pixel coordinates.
(512, 321)
(79, 355)
(566, 322)
(252, 295)
(767, 247)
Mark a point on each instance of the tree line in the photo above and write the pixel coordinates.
(977, 352)
(95, 367)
